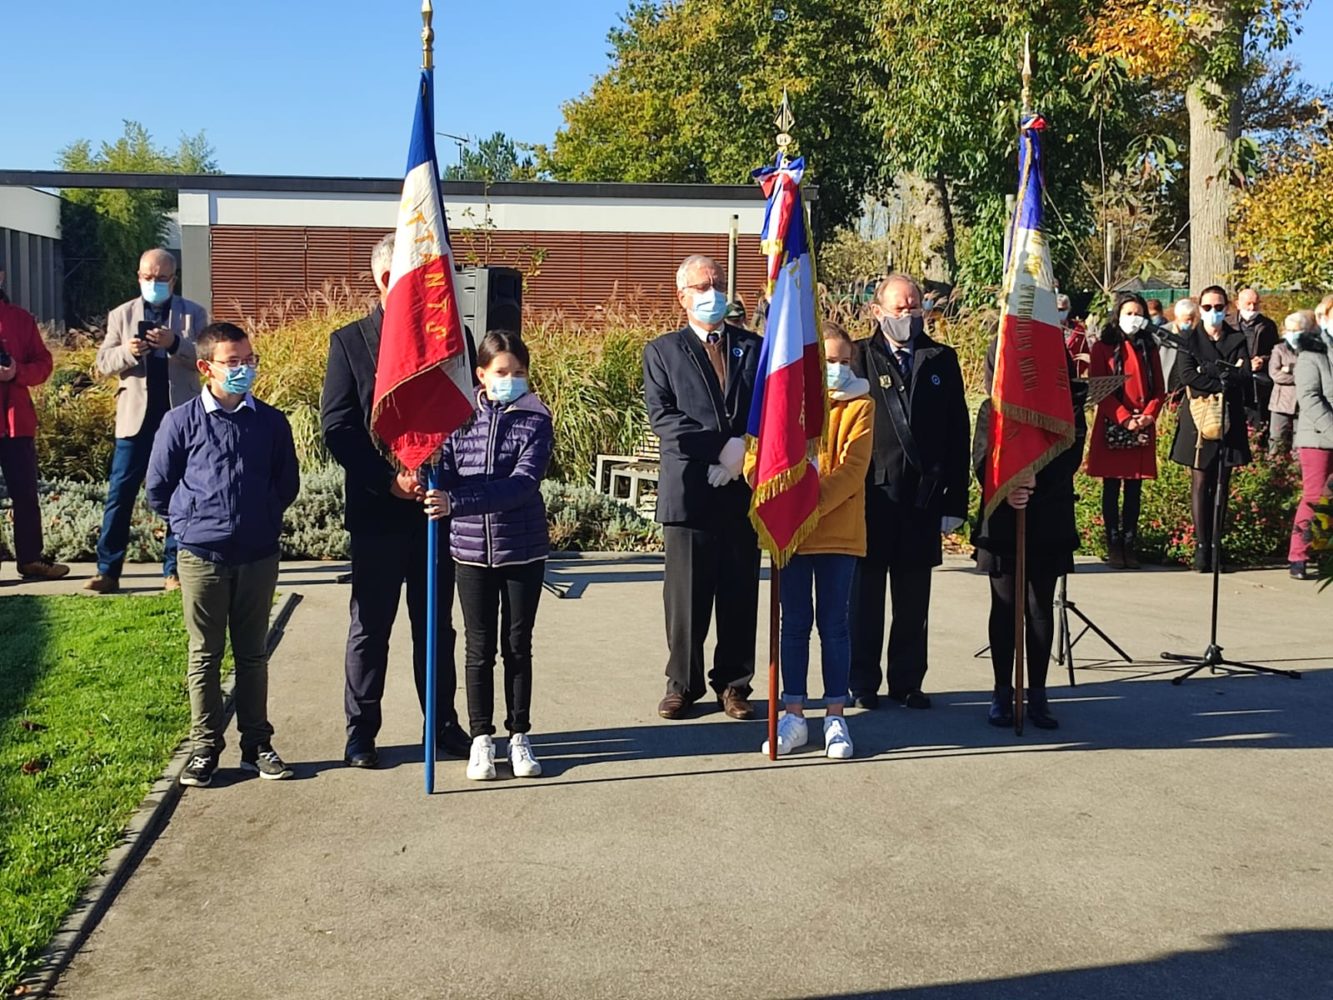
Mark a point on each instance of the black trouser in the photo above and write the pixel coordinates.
(710, 570)
(1039, 627)
(1111, 515)
(499, 609)
(18, 466)
(909, 590)
(381, 563)
(1203, 494)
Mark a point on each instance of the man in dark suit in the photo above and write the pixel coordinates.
(916, 491)
(1261, 335)
(698, 382)
(387, 521)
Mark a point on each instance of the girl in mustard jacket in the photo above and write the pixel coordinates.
(824, 562)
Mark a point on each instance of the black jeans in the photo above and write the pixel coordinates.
(710, 572)
(1111, 514)
(499, 609)
(1039, 628)
(18, 466)
(1203, 494)
(381, 563)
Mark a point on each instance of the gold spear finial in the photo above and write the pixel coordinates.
(784, 121)
(427, 36)
(1027, 73)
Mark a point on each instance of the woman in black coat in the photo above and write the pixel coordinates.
(1052, 537)
(1214, 357)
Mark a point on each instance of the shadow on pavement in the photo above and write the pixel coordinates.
(1294, 964)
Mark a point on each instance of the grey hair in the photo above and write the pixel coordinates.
(1301, 321)
(1062, 301)
(381, 258)
(692, 261)
(898, 278)
(1190, 306)
(158, 256)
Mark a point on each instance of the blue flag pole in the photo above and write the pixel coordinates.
(432, 630)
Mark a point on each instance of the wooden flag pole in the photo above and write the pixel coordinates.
(774, 657)
(1020, 613)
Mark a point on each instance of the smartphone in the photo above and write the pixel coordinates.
(144, 327)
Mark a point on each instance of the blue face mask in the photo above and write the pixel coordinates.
(1292, 337)
(154, 292)
(709, 307)
(506, 388)
(837, 376)
(237, 381)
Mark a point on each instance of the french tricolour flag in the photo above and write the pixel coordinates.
(1032, 417)
(423, 389)
(788, 409)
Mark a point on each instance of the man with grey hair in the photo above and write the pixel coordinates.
(917, 491)
(149, 346)
(698, 382)
(386, 519)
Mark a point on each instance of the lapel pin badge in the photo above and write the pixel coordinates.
(737, 352)
(885, 382)
(934, 380)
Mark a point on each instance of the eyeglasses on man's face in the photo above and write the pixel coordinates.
(252, 361)
(1213, 307)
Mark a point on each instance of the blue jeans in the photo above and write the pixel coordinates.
(129, 465)
(830, 578)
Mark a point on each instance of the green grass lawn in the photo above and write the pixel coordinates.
(92, 703)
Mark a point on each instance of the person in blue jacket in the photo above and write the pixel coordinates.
(490, 474)
(222, 471)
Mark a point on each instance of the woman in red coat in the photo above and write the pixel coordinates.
(1124, 434)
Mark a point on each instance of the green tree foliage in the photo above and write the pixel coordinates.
(104, 230)
(495, 159)
(694, 87)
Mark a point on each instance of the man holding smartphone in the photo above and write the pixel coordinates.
(149, 345)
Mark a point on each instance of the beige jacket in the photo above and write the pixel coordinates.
(114, 357)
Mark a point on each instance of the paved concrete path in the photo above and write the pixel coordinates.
(1170, 842)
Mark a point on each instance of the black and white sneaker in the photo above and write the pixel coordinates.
(199, 771)
(264, 761)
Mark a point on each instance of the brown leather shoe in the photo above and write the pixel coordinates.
(103, 584)
(735, 704)
(674, 705)
(43, 569)
(170, 583)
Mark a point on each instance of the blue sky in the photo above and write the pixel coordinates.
(306, 87)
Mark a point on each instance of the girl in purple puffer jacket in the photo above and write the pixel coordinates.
(490, 472)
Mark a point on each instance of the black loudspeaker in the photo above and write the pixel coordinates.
(491, 299)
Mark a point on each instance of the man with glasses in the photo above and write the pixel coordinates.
(698, 382)
(223, 470)
(917, 491)
(149, 346)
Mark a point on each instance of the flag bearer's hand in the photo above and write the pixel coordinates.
(406, 487)
(437, 504)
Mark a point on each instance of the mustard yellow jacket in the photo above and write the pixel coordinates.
(844, 458)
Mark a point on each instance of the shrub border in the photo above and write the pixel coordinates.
(149, 819)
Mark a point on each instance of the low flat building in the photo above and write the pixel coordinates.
(30, 253)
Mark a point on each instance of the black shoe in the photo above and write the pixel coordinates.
(453, 741)
(1298, 571)
(264, 761)
(1039, 713)
(868, 700)
(1203, 562)
(199, 771)
(913, 699)
(1001, 709)
(364, 758)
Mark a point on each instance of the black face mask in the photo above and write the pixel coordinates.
(902, 330)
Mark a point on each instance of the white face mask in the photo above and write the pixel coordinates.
(1248, 314)
(1130, 325)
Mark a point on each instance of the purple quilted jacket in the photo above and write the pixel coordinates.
(492, 468)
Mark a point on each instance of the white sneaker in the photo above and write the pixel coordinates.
(520, 757)
(837, 738)
(792, 733)
(481, 762)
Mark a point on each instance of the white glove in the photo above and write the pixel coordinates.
(732, 456)
(719, 475)
(948, 525)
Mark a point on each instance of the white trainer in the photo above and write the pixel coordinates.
(481, 762)
(792, 733)
(837, 738)
(525, 765)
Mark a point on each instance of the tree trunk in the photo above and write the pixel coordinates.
(926, 208)
(1213, 133)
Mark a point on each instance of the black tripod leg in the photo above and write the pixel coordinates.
(1091, 625)
(1235, 665)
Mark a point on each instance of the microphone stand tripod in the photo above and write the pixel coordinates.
(1212, 657)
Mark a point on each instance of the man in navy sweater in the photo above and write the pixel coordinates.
(222, 471)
